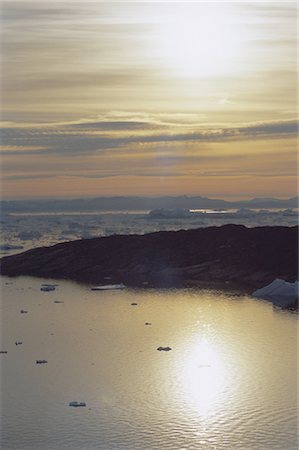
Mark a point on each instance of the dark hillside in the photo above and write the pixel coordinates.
(227, 256)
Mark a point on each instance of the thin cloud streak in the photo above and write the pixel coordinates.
(68, 140)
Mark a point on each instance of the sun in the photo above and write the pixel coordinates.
(198, 39)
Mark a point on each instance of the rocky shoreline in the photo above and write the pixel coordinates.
(228, 257)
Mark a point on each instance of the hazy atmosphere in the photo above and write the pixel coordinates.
(149, 225)
(148, 98)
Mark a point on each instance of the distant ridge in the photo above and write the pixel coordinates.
(123, 203)
(231, 256)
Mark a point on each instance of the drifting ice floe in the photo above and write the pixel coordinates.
(77, 404)
(108, 287)
(47, 287)
(279, 292)
(8, 247)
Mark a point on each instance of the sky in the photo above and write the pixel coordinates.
(148, 98)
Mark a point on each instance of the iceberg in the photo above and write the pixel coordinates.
(8, 247)
(170, 213)
(280, 292)
(47, 287)
(77, 404)
(108, 287)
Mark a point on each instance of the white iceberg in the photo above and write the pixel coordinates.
(77, 404)
(8, 247)
(280, 293)
(108, 287)
(170, 213)
(48, 287)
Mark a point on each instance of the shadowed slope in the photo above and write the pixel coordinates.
(227, 256)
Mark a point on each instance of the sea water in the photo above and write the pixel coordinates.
(228, 382)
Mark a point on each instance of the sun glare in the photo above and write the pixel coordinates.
(198, 40)
(203, 377)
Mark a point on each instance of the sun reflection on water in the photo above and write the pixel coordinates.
(204, 376)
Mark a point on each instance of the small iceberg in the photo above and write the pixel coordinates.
(164, 349)
(41, 361)
(8, 247)
(108, 287)
(280, 292)
(48, 287)
(170, 213)
(77, 404)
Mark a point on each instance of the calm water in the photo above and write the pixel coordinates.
(229, 381)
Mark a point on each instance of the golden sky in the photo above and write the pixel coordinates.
(148, 98)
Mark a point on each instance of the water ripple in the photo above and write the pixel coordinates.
(229, 382)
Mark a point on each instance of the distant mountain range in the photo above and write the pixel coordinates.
(139, 203)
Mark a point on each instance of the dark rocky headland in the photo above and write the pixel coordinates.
(227, 257)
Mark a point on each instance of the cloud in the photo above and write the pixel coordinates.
(113, 125)
(86, 138)
(271, 128)
(65, 57)
(27, 177)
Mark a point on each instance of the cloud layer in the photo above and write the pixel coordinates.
(92, 101)
(96, 136)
